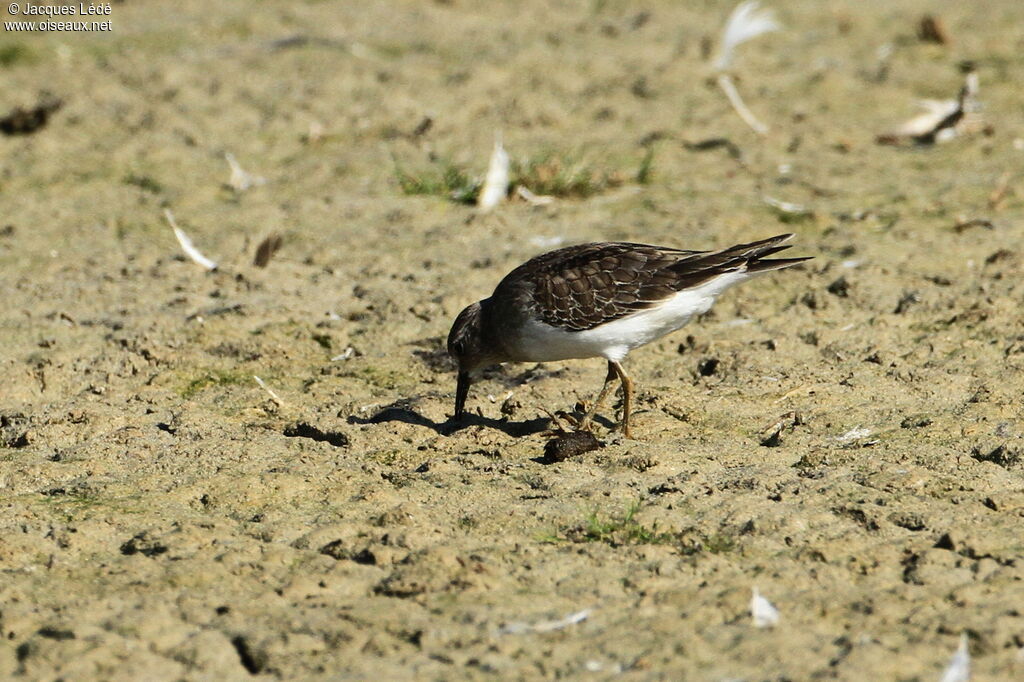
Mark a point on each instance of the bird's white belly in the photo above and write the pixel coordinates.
(541, 342)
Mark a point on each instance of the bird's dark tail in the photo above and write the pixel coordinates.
(754, 254)
(706, 265)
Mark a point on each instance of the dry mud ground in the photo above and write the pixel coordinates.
(163, 518)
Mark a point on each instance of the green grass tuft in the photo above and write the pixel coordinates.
(214, 377)
(445, 180)
(624, 530)
(564, 176)
(561, 175)
(618, 531)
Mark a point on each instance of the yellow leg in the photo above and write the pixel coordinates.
(584, 424)
(627, 395)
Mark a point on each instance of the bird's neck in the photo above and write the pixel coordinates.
(492, 321)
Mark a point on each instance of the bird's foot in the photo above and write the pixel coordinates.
(565, 423)
(558, 430)
(586, 422)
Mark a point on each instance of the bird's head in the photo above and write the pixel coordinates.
(467, 347)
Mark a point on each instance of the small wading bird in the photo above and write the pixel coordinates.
(599, 300)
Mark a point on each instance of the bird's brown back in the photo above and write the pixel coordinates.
(580, 287)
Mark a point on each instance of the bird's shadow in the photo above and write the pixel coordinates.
(407, 415)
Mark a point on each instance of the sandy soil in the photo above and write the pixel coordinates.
(163, 518)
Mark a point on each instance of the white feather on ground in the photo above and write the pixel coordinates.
(531, 198)
(746, 22)
(786, 206)
(546, 626)
(496, 184)
(934, 111)
(959, 668)
(186, 243)
(241, 180)
(762, 612)
(854, 434)
(936, 115)
(733, 95)
(276, 398)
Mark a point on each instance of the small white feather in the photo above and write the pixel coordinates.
(531, 198)
(270, 391)
(733, 95)
(344, 355)
(853, 434)
(938, 115)
(546, 626)
(959, 668)
(186, 243)
(934, 111)
(747, 21)
(496, 184)
(762, 612)
(240, 180)
(786, 206)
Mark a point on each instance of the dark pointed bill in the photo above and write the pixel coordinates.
(461, 392)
